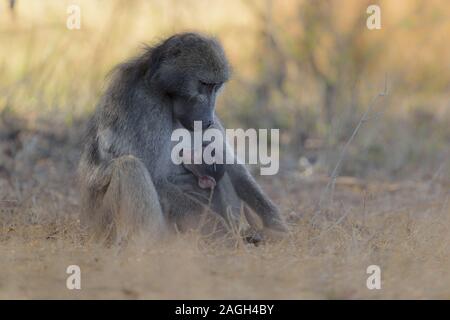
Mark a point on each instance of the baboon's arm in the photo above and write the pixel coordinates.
(251, 193)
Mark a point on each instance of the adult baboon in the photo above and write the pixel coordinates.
(129, 183)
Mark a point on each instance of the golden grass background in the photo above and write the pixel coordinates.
(307, 67)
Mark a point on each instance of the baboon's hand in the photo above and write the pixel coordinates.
(275, 222)
(250, 192)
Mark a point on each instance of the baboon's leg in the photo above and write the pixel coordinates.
(130, 206)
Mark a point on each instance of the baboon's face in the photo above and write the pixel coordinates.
(192, 72)
(198, 106)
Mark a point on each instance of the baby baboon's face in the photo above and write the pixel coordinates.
(208, 175)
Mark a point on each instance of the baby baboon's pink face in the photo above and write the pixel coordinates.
(208, 174)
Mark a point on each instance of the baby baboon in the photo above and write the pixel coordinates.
(129, 183)
(208, 175)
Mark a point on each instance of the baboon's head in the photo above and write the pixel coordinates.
(190, 69)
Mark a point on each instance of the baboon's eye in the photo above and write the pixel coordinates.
(208, 87)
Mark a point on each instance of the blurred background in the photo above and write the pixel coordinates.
(309, 68)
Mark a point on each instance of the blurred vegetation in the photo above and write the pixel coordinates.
(309, 68)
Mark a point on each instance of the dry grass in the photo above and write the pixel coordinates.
(50, 77)
(402, 227)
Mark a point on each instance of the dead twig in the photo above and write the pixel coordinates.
(329, 189)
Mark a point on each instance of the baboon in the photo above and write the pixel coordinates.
(208, 175)
(128, 182)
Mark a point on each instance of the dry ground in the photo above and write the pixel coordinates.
(399, 224)
(402, 227)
